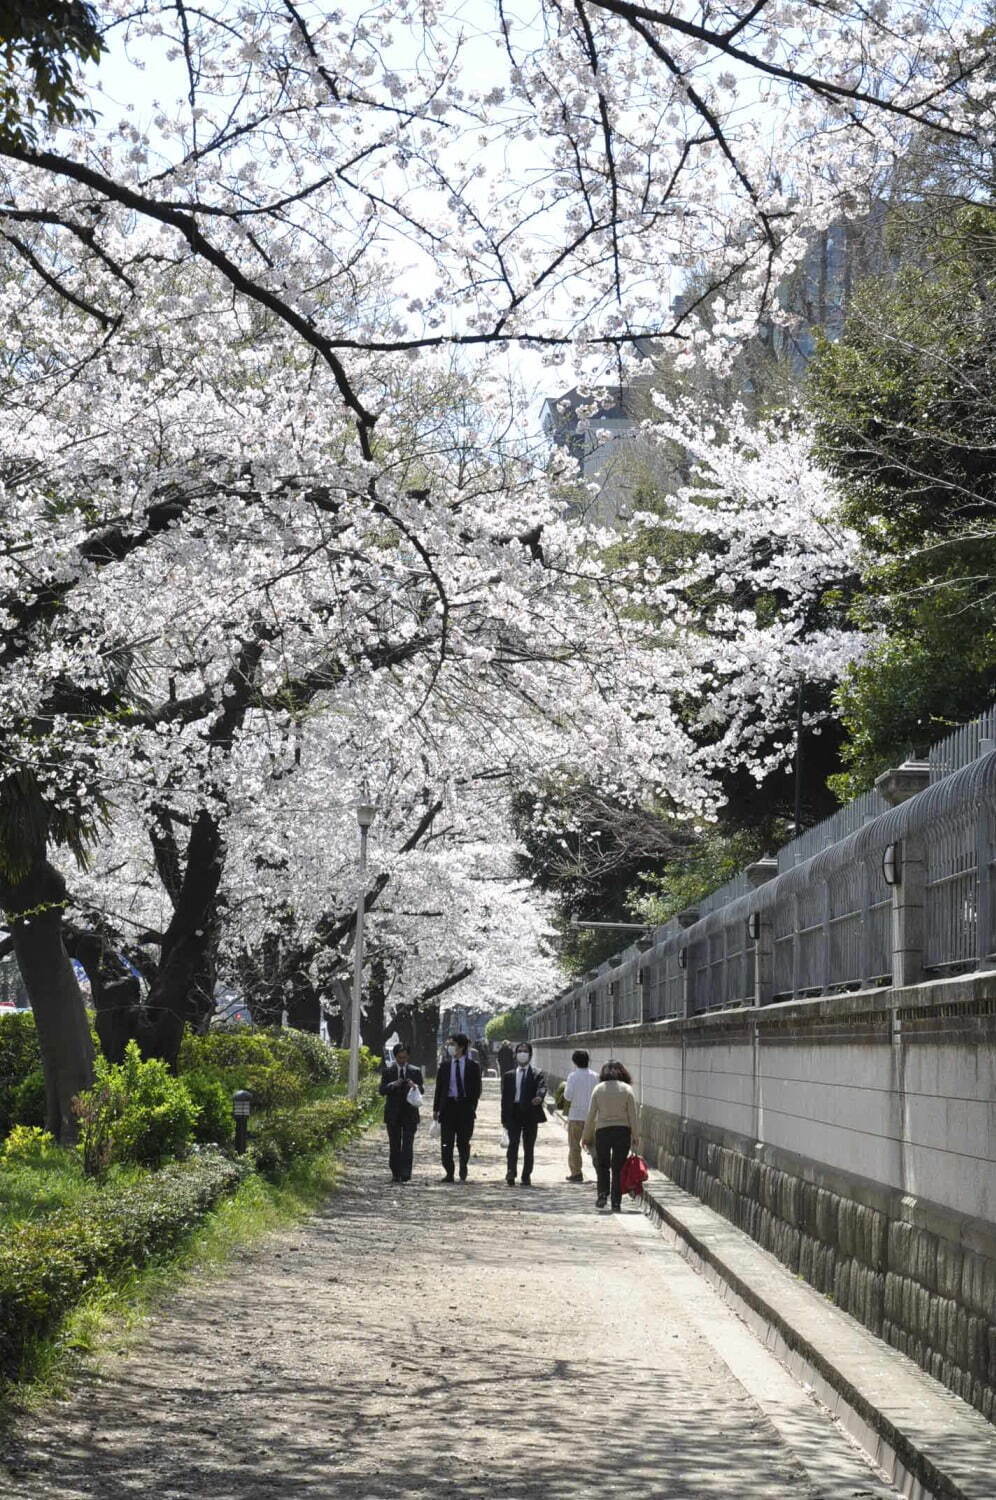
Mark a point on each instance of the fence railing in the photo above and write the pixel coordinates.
(904, 893)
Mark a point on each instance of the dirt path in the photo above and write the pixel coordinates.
(435, 1342)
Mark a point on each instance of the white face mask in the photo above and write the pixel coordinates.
(451, 1050)
(522, 1058)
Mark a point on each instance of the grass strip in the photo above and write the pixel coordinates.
(113, 1303)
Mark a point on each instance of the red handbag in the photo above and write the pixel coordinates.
(634, 1174)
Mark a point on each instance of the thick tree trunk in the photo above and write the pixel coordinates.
(180, 991)
(303, 1009)
(50, 980)
(372, 1026)
(114, 990)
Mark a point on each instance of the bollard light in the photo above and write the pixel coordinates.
(241, 1105)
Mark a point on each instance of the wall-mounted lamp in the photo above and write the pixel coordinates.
(682, 958)
(892, 864)
(754, 926)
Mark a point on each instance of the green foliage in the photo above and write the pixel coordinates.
(278, 1066)
(136, 1111)
(559, 1100)
(904, 414)
(370, 1063)
(42, 42)
(45, 1266)
(509, 1026)
(693, 873)
(29, 1145)
(29, 1100)
(284, 1135)
(215, 1122)
(19, 1056)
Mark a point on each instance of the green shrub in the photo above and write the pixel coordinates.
(277, 1066)
(320, 1060)
(45, 1267)
(369, 1063)
(285, 1134)
(559, 1100)
(227, 1048)
(19, 1056)
(28, 1145)
(28, 1104)
(214, 1103)
(136, 1111)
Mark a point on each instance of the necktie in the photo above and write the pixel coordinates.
(456, 1063)
(522, 1082)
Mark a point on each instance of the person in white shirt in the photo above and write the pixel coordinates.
(577, 1092)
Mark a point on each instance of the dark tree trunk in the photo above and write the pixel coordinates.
(50, 980)
(372, 1025)
(303, 1009)
(425, 1033)
(114, 990)
(182, 991)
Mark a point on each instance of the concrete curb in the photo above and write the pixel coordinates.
(932, 1445)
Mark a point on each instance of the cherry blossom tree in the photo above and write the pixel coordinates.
(240, 564)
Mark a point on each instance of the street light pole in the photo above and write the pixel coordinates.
(364, 817)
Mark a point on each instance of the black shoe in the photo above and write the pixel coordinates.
(404, 1179)
(397, 1179)
(526, 1182)
(447, 1178)
(579, 1178)
(463, 1174)
(510, 1179)
(600, 1201)
(617, 1208)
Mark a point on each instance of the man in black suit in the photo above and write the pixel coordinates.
(523, 1090)
(458, 1089)
(400, 1117)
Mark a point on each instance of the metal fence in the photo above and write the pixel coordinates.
(827, 922)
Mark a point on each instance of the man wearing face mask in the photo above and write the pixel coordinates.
(523, 1090)
(458, 1089)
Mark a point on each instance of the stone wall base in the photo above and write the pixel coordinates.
(919, 1276)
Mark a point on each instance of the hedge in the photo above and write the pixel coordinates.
(284, 1134)
(45, 1267)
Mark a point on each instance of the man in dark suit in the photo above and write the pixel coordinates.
(458, 1089)
(523, 1090)
(400, 1117)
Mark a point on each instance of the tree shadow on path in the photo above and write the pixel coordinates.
(427, 1341)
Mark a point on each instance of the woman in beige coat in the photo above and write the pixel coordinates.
(611, 1130)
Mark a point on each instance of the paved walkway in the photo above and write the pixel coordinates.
(443, 1343)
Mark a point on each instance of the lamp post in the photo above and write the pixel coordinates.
(364, 817)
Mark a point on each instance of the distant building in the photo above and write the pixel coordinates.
(816, 295)
(604, 446)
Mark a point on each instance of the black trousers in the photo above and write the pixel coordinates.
(401, 1143)
(611, 1150)
(524, 1130)
(456, 1124)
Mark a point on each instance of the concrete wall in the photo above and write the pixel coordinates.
(854, 1136)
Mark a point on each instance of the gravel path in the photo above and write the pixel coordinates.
(426, 1341)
